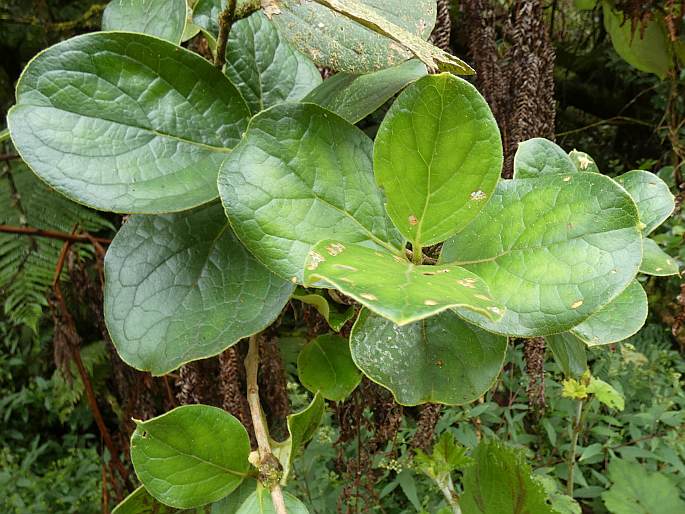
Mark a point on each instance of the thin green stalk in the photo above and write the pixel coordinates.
(447, 488)
(416, 254)
(571, 459)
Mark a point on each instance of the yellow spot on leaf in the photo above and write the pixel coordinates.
(314, 260)
(430, 302)
(368, 296)
(413, 220)
(577, 304)
(335, 249)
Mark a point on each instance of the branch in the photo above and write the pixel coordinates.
(53, 234)
(225, 23)
(269, 467)
(8, 157)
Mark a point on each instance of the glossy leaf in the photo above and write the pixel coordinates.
(259, 502)
(165, 19)
(181, 287)
(654, 200)
(336, 41)
(647, 49)
(335, 317)
(178, 460)
(354, 97)
(392, 286)
(538, 156)
(501, 482)
(302, 174)
(616, 321)
(206, 14)
(583, 161)
(655, 261)
(142, 502)
(326, 366)
(438, 157)
(553, 250)
(569, 353)
(126, 122)
(441, 359)
(264, 67)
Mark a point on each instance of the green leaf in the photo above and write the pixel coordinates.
(616, 321)
(354, 97)
(538, 156)
(141, 502)
(264, 67)
(302, 174)
(259, 502)
(438, 157)
(606, 394)
(553, 250)
(647, 48)
(342, 44)
(335, 318)
(654, 200)
(190, 456)
(437, 360)
(501, 482)
(655, 261)
(326, 366)
(165, 19)
(447, 456)
(569, 353)
(637, 491)
(392, 286)
(583, 161)
(206, 14)
(126, 122)
(181, 287)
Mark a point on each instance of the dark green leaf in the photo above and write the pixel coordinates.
(141, 502)
(569, 352)
(326, 366)
(165, 19)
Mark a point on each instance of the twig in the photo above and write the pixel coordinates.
(571, 460)
(225, 22)
(269, 468)
(53, 234)
(8, 157)
(608, 121)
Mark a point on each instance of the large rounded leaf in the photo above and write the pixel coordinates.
(181, 287)
(126, 122)
(538, 156)
(190, 456)
(264, 67)
(438, 157)
(654, 200)
(325, 365)
(553, 250)
(655, 261)
(302, 174)
(437, 360)
(142, 502)
(165, 19)
(337, 42)
(394, 287)
(616, 321)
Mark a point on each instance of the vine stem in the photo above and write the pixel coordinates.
(267, 462)
(571, 460)
(225, 23)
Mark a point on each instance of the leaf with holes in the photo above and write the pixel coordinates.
(438, 157)
(354, 97)
(538, 156)
(165, 19)
(264, 67)
(553, 251)
(441, 359)
(325, 365)
(570, 353)
(126, 122)
(176, 457)
(334, 316)
(654, 200)
(655, 261)
(181, 287)
(392, 286)
(616, 321)
(342, 44)
(302, 174)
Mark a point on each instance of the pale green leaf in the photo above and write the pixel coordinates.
(259, 502)
(181, 287)
(326, 366)
(354, 97)
(178, 460)
(637, 491)
(302, 174)
(441, 359)
(654, 200)
(501, 482)
(616, 321)
(340, 43)
(165, 19)
(606, 394)
(126, 122)
(447, 456)
(569, 353)
(538, 156)
(655, 261)
(392, 286)
(553, 250)
(583, 161)
(335, 317)
(264, 67)
(438, 157)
